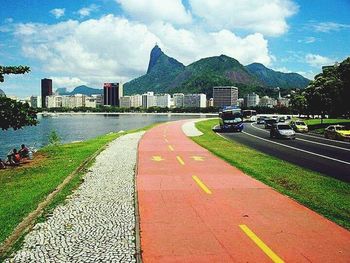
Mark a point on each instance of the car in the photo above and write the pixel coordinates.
(299, 126)
(281, 119)
(283, 131)
(337, 132)
(269, 123)
(261, 120)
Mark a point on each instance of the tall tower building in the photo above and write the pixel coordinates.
(225, 96)
(46, 90)
(112, 93)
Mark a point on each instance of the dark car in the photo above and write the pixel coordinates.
(282, 131)
(261, 120)
(269, 123)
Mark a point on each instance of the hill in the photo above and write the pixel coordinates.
(166, 74)
(80, 90)
(160, 73)
(271, 78)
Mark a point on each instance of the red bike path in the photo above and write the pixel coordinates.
(195, 207)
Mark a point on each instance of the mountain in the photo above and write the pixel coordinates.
(160, 73)
(79, 90)
(271, 78)
(166, 74)
(2, 93)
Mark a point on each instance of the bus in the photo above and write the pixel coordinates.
(231, 119)
(249, 115)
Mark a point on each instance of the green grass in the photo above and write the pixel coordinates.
(23, 188)
(316, 126)
(325, 195)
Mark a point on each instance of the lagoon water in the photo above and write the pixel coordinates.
(77, 127)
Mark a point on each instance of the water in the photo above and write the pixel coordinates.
(77, 128)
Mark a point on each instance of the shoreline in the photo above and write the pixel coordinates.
(132, 113)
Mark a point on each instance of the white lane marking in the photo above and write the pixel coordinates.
(294, 148)
(319, 143)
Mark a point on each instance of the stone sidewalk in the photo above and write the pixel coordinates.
(97, 224)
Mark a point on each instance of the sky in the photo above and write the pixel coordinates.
(89, 42)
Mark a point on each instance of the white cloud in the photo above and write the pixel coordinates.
(118, 50)
(67, 82)
(307, 40)
(329, 26)
(58, 12)
(156, 10)
(318, 61)
(86, 11)
(264, 16)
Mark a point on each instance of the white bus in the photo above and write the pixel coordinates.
(249, 115)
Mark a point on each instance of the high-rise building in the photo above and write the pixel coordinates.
(148, 100)
(46, 90)
(251, 100)
(136, 101)
(195, 101)
(225, 96)
(35, 101)
(112, 93)
(125, 102)
(162, 100)
(178, 100)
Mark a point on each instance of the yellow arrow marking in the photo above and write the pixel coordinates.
(180, 160)
(201, 185)
(261, 244)
(171, 148)
(157, 158)
(198, 158)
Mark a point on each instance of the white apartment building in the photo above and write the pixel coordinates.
(251, 100)
(35, 101)
(195, 101)
(53, 101)
(125, 102)
(98, 98)
(163, 100)
(178, 99)
(136, 101)
(90, 102)
(148, 100)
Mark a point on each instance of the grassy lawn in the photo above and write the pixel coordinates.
(23, 188)
(325, 195)
(316, 126)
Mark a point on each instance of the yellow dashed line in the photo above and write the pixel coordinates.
(171, 148)
(261, 244)
(166, 140)
(180, 160)
(201, 185)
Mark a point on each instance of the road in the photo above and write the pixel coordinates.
(195, 207)
(329, 157)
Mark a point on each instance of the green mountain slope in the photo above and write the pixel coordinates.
(161, 72)
(165, 74)
(271, 78)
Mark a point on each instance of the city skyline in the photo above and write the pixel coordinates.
(55, 39)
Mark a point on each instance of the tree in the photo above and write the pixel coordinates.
(15, 114)
(12, 70)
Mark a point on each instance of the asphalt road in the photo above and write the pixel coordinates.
(329, 157)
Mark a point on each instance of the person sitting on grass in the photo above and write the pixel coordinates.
(24, 151)
(2, 164)
(13, 158)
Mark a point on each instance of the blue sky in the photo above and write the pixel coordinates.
(91, 42)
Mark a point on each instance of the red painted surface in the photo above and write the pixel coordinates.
(181, 223)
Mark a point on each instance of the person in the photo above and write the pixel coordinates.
(24, 151)
(13, 158)
(2, 164)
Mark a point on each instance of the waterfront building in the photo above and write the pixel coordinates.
(90, 102)
(125, 102)
(178, 100)
(112, 93)
(162, 100)
(136, 101)
(148, 100)
(225, 96)
(251, 100)
(53, 101)
(46, 90)
(35, 101)
(98, 98)
(210, 102)
(195, 101)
